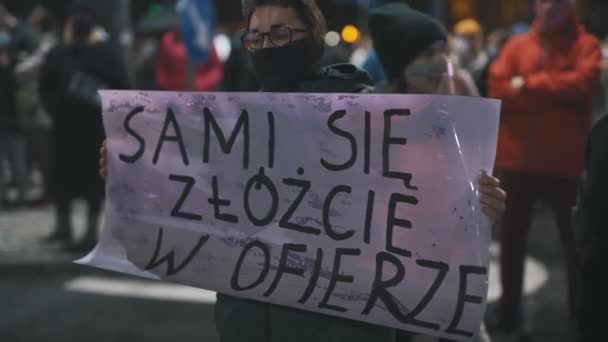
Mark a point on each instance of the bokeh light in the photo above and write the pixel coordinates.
(351, 34)
(332, 38)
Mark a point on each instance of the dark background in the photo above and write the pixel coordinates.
(491, 14)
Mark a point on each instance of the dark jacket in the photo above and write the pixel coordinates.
(240, 320)
(339, 78)
(69, 81)
(8, 99)
(593, 235)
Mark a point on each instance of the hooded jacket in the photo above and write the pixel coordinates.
(261, 322)
(544, 125)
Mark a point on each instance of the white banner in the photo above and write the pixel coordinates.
(358, 206)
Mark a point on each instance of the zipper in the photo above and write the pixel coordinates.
(268, 322)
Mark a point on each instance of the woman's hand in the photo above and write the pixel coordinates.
(492, 198)
(103, 162)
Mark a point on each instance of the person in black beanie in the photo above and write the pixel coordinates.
(413, 49)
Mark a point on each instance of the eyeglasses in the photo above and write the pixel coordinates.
(278, 36)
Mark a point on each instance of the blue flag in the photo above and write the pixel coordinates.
(198, 28)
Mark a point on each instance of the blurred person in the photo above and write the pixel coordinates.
(547, 79)
(35, 120)
(12, 142)
(22, 37)
(470, 51)
(83, 63)
(591, 219)
(21, 41)
(412, 47)
(44, 32)
(172, 66)
(38, 18)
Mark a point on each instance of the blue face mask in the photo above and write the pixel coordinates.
(430, 70)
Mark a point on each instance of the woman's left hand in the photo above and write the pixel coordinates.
(492, 198)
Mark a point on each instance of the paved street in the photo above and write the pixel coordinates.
(38, 307)
(46, 298)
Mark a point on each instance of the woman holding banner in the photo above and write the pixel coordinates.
(413, 49)
(285, 41)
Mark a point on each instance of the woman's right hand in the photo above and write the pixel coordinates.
(103, 162)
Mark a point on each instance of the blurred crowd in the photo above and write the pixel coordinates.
(549, 73)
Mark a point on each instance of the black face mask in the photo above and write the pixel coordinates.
(281, 69)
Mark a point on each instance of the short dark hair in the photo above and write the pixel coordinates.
(306, 10)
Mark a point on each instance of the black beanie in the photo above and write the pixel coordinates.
(401, 34)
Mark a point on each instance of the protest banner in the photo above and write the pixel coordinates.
(358, 206)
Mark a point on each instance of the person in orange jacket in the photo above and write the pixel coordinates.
(547, 79)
